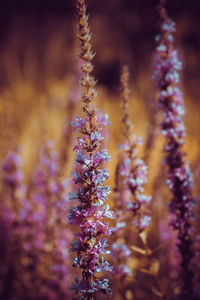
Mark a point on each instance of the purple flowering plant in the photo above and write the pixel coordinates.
(89, 177)
(133, 169)
(130, 201)
(37, 264)
(51, 236)
(14, 215)
(166, 75)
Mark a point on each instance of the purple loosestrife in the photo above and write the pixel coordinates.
(166, 75)
(45, 184)
(129, 198)
(14, 214)
(121, 253)
(51, 235)
(15, 203)
(133, 169)
(89, 214)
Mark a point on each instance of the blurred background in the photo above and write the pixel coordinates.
(38, 63)
(40, 35)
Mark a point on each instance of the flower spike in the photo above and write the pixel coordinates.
(166, 75)
(89, 214)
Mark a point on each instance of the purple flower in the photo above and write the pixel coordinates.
(96, 136)
(135, 172)
(78, 123)
(51, 235)
(14, 190)
(91, 194)
(166, 76)
(121, 252)
(131, 175)
(12, 169)
(145, 222)
(102, 119)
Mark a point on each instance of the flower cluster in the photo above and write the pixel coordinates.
(36, 233)
(121, 253)
(89, 214)
(15, 217)
(51, 234)
(45, 184)
(133, 169)
(16, 206)
(130, 202)
(166, 76)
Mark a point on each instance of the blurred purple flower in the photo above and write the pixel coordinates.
(166, 76)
